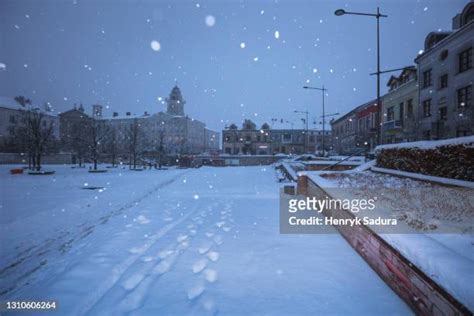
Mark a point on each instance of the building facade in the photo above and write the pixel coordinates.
(266, 141)
(13, 113)
(356, 131)
(446, 75)
(400, 108)
(171, 131)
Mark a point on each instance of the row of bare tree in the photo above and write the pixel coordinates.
(90, 139)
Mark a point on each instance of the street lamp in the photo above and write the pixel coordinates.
(378, 15)
(323, 90)
(306, 132)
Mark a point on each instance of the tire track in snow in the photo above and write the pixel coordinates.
(119, 270)
(61, 244)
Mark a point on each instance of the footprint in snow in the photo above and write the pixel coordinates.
(181, 238)
(213, 256)
(209, 234)
(204, 248)
(220, 224)
(226, 228)
(218, 240)
(195, 291)
(199, 265)
(210, 275)
(142, 220)
(192, 232)
(165, 253)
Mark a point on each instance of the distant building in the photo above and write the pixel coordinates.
(175, 131)
(356, 131)
(266, 141)
(12, 113)
(446, 75)
(400, 108)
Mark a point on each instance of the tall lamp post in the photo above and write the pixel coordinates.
(323, 90)
(306, 131)
(378, 15)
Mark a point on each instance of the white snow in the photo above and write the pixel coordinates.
(424, 177)
(98, 258)
(447, 258)
(429, 144)
(155, 45)
(210, 20)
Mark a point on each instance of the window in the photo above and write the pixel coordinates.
(427, 79)
(12, 119)
(258, 138)
(464, 97)
(410, 108)
(465, 60)
(287, 137)
(443, 113)
(443, 81)
(390, 114)
(427, 108)
(462, 133)
(427, 135)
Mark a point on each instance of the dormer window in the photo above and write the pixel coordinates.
(443, 55)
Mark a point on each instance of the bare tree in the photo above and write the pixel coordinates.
(112, 145)
(161, 147)
(96, 138)
(134, 137)
(35, 136)
(23, 101)
(78, 140)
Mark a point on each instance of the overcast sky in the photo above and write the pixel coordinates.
(231, 59)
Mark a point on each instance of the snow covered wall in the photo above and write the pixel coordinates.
(449, 158)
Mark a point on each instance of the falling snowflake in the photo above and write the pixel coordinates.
(198, 5)
(196, 197)
(155, 45)
(210, 20)
(315, 70)
(255, 59)
(425, 9)
(242, 45)
(25, 65)
(262, 12)
(420, 52)
(3, 66)
(277, 34)
(17, 26)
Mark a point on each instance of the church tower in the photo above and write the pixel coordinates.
(175, 102)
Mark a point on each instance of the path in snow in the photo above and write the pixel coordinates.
(209, 243)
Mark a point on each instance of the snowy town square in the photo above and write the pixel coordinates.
(236, 157)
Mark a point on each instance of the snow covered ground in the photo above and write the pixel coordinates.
(195, 241)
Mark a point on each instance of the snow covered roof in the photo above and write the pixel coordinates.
(429, 144)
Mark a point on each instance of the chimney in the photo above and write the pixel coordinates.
(97, 110)
(115, 114)
(128, 113)
(456, 22)
(146, 113)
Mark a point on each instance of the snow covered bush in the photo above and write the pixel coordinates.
(450, 158)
